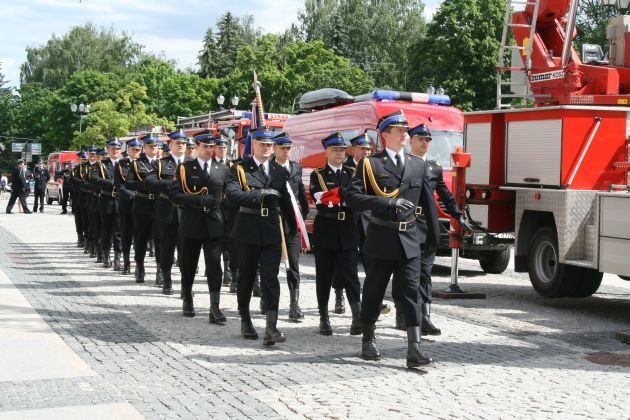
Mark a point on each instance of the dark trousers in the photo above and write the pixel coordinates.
(249, 258)
(377, 274)
(110, 232)
(15, 195)
(294, 248)
(144, 228)
(95, 225)
(191, 248)
(78, 223)
(425, 284)
(168, 242)
(39, 195)
(85, 220)
(125, 223)
(65, 195)
(340, 263)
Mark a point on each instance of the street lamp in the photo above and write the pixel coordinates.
(83, 111)
(430, 90)
(234, 101)
(220, 101)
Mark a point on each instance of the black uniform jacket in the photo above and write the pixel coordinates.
(161, 181)
(243, 190)
(334, 227)
(41, 176)
(121, 173)
(72, 184)
(103, 178)
(374, 190)
(145, 198)
(93, 190)
(297, 186)
(199, 195)
(429, 222)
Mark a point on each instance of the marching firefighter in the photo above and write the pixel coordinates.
(166, 214)
(198, 188)
(390, 184)
(124, 201)
(335, 238)
(144, 205)
(189, 154)
(429, 227)
(74, 185)
(91, 208)
(63, 176)
(103, 178)
(259, 186)
(41, 176)
(282, 149)
(230, 266)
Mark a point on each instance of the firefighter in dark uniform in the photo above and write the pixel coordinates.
(166, 214)
(189, 154)
(199, 188)
(429, 226)
(64, 176)
(282, 148)
(41, 176)
(124, 200)
(85, 198)
(390, 184)
(93, 218)
(259, 186)
(144, 206)
(74, 185)
(335, 238)
(103, 178)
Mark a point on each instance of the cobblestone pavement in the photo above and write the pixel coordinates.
(513, 354)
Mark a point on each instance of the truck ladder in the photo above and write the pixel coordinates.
(504, 79)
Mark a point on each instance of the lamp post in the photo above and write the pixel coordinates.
(220, 101)
(234, 101)
(80, 111)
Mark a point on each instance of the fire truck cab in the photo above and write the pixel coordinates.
(352, 116)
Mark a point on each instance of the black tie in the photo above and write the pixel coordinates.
(338, 173)
(205, 168)
(262, 169)
(399, 164)
(221, 160)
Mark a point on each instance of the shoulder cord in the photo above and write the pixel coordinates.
(367, 168)
(121, 172)
(322, 183)
(182, 177)
(135, 169)
(242, 179)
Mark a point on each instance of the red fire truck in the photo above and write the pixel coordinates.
(55, 164)
(331, 110)
(556, 174)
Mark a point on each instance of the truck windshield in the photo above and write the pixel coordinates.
(443, 144)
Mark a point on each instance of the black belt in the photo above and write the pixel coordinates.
(338, 215)
(205, 209)
(262, 211)
(164, 196)
(112, 194)
(149, 196)
(399, 226)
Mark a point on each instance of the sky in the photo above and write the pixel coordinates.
(172, 28)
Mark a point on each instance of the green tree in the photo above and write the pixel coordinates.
(592, 20)
(83, 47)
(207, 58)
(460, 52)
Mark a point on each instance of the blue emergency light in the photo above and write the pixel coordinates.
(393, 95)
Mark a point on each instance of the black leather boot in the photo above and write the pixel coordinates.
(355, 327)
(126, 264)
(340, 303)
(415, 358)
(140, 272)
(400, 317)
(216, 317)
(99, 255)
(272, 335)
(262, 306)
(427, 325)
(227, 277)
(80, 241)
(188, 310)
(385, 309)
(92, 249)
(167, 287)
(247, 328)
(159, 277)
(86, 246)
(369, 351)
(324, 324)
(295, 313)
(256, 289)
(151, 249)
(116, 261)
(234, 282)
(107, 260)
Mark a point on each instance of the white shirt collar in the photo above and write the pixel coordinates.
(178, 160)
(392, 155)
(356, 162)
(218, 159)
(203, 162)
(334, 168)
(266, 164)
(286, 164)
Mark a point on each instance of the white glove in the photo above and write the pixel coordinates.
(318, 196)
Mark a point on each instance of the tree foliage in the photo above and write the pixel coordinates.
(84, 47)
(592, 19)
(460, 52)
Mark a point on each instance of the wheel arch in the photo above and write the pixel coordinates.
(531, 221)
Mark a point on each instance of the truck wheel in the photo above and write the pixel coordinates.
(588, 280)
(495, 262)
(549, 278)
(49, 200)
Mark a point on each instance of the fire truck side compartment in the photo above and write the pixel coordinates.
(614, 239)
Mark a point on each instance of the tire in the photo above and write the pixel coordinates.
(589, 282)
(495, 262)
(626, 278)
(549, 277)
